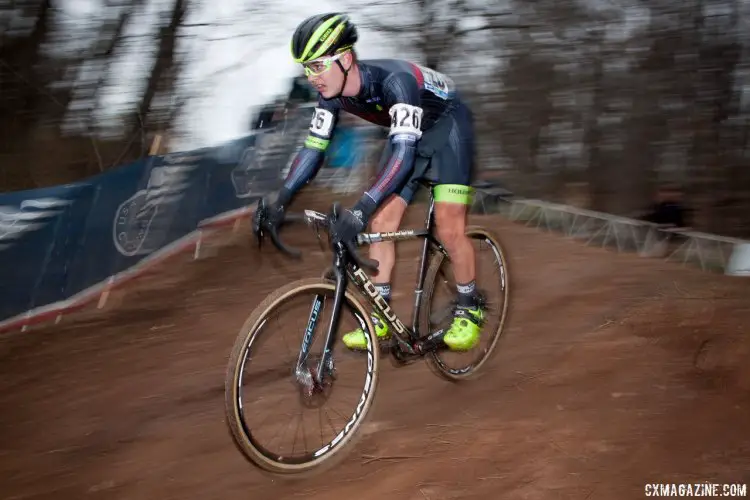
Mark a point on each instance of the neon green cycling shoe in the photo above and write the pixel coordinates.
(356, 339)
(463, 335)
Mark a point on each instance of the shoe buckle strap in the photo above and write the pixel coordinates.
(462, 312)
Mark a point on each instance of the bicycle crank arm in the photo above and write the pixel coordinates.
(430, 343)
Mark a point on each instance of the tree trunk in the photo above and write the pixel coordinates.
(161, 69)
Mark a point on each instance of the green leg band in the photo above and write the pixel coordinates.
(453, 193)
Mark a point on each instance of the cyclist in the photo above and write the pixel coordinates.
(430, 127)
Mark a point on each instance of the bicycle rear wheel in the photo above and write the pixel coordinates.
(245, 425)
(435, 314)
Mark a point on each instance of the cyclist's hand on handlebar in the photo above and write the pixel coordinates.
(268, 217)
(345, 227)
(259, 217)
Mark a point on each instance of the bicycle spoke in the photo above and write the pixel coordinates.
(494, 292)
(277, 448)
(296, 430)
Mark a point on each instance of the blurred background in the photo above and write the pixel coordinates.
(137, 136)
(617, 106)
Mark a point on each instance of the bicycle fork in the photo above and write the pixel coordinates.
(313, 379)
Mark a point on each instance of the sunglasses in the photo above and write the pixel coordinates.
(321, 65)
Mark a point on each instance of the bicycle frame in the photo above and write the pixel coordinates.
(346, 270)
(363, 283)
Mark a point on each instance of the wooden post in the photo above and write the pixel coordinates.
(197, 252)
(105, 293)
(155, 145)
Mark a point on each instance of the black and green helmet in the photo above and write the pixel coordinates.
(322, 35)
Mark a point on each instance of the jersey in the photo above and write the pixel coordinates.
(403, 96)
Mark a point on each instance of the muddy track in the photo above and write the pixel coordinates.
(615, 372)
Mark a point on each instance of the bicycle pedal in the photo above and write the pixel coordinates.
(432, 342)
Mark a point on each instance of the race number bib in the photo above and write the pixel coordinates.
(406, 119)
(322, 122)
(435, 82)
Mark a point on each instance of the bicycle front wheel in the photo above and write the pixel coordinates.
(257, 376)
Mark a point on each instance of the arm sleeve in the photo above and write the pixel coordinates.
(308, 161)
(402, 95)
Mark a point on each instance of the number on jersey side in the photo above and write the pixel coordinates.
(322, 122)
(436, 82)
(406, 119)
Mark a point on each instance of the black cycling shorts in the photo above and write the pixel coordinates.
(445, 154)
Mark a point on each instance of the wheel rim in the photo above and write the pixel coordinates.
(250, 431)
(496, 332)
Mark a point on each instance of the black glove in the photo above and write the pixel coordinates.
(267, 217)
(346, 227)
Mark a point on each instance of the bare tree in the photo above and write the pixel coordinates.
(163, 72)
(20, 83)
(435, 27)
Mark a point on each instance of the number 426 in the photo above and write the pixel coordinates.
(401, 117)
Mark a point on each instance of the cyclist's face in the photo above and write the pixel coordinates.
(326, 76)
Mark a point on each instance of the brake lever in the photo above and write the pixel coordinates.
(370, 264)
(294, 253)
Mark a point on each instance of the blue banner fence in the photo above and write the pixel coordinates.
(62, 247)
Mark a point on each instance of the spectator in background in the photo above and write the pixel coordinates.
(344, 145)
(668, 209)
(667, 212)
(268, 115)
(265, 117)
(301, 91)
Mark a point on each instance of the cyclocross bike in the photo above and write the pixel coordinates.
(314, 374)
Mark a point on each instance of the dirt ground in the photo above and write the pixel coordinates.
(615, 372)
